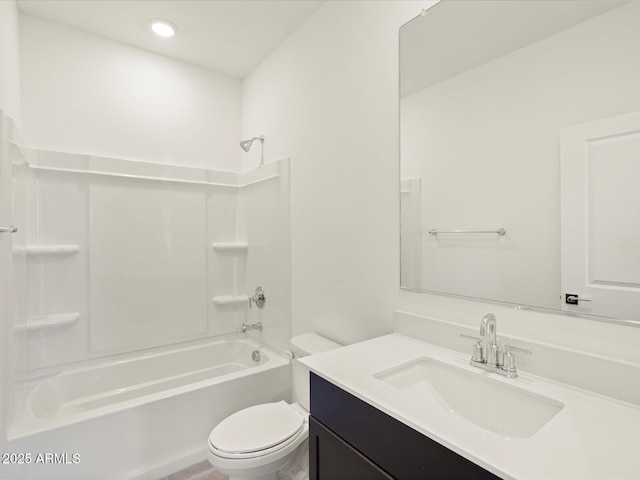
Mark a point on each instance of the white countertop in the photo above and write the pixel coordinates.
(592, 437)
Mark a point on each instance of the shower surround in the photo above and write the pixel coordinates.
(124, 261)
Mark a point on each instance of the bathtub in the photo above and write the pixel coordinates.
(141, 416)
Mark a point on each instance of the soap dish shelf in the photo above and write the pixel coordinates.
(231, 300)
(237, 248)
(41, 250)
(46, 322)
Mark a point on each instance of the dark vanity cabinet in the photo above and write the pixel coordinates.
(351, 440)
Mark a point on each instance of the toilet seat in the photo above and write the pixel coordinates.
(257, 431)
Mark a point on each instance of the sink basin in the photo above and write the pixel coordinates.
(488, 403)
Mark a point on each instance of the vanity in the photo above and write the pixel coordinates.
(398, 407)
(519, 147)
(351, 439)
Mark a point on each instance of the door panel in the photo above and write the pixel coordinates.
(600, 181)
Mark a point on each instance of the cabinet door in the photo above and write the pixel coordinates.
(395, 448)
(331, 458)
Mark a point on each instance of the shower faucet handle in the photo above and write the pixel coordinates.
(258, 298)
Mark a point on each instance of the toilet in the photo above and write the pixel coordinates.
(262, 440)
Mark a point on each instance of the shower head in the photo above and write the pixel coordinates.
(246, 144)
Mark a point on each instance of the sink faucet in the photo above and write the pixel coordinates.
(488, 336)
(488, 355)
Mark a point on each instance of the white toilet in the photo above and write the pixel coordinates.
(259, 441)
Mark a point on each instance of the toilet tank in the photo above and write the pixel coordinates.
(302, 346)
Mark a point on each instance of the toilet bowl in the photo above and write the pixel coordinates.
(259, 441)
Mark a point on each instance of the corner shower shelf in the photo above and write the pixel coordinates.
(231, 300)
(46, 322)
(231, 247)
(48, 249)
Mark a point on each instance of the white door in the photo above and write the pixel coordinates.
(600, 215)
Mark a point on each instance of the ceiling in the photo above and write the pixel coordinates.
(227, 36)
(455, 36)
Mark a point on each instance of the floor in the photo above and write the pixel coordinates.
(199, 471)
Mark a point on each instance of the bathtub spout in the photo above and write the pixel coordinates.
(251, 326)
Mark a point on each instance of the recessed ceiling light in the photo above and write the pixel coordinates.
(163, 28)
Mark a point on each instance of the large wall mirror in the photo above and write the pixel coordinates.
(520, 154)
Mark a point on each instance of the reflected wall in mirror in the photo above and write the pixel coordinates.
(523, 115)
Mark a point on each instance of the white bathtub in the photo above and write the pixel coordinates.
(142, 416)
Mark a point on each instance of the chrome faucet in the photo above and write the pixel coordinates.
(259, 299)
(251, 326)
(489, 337)
(488, 355)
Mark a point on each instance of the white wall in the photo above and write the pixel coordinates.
(89, 95)
(263, 221)
(86, 94)
(9, 60)
(328, 98)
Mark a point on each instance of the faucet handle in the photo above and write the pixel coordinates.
(258, 298)
(478, 354)
(508, 348)
(509, 361)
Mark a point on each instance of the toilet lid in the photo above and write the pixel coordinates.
(257, 428)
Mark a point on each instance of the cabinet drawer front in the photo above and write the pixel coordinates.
(331, 458)
(398, 449)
